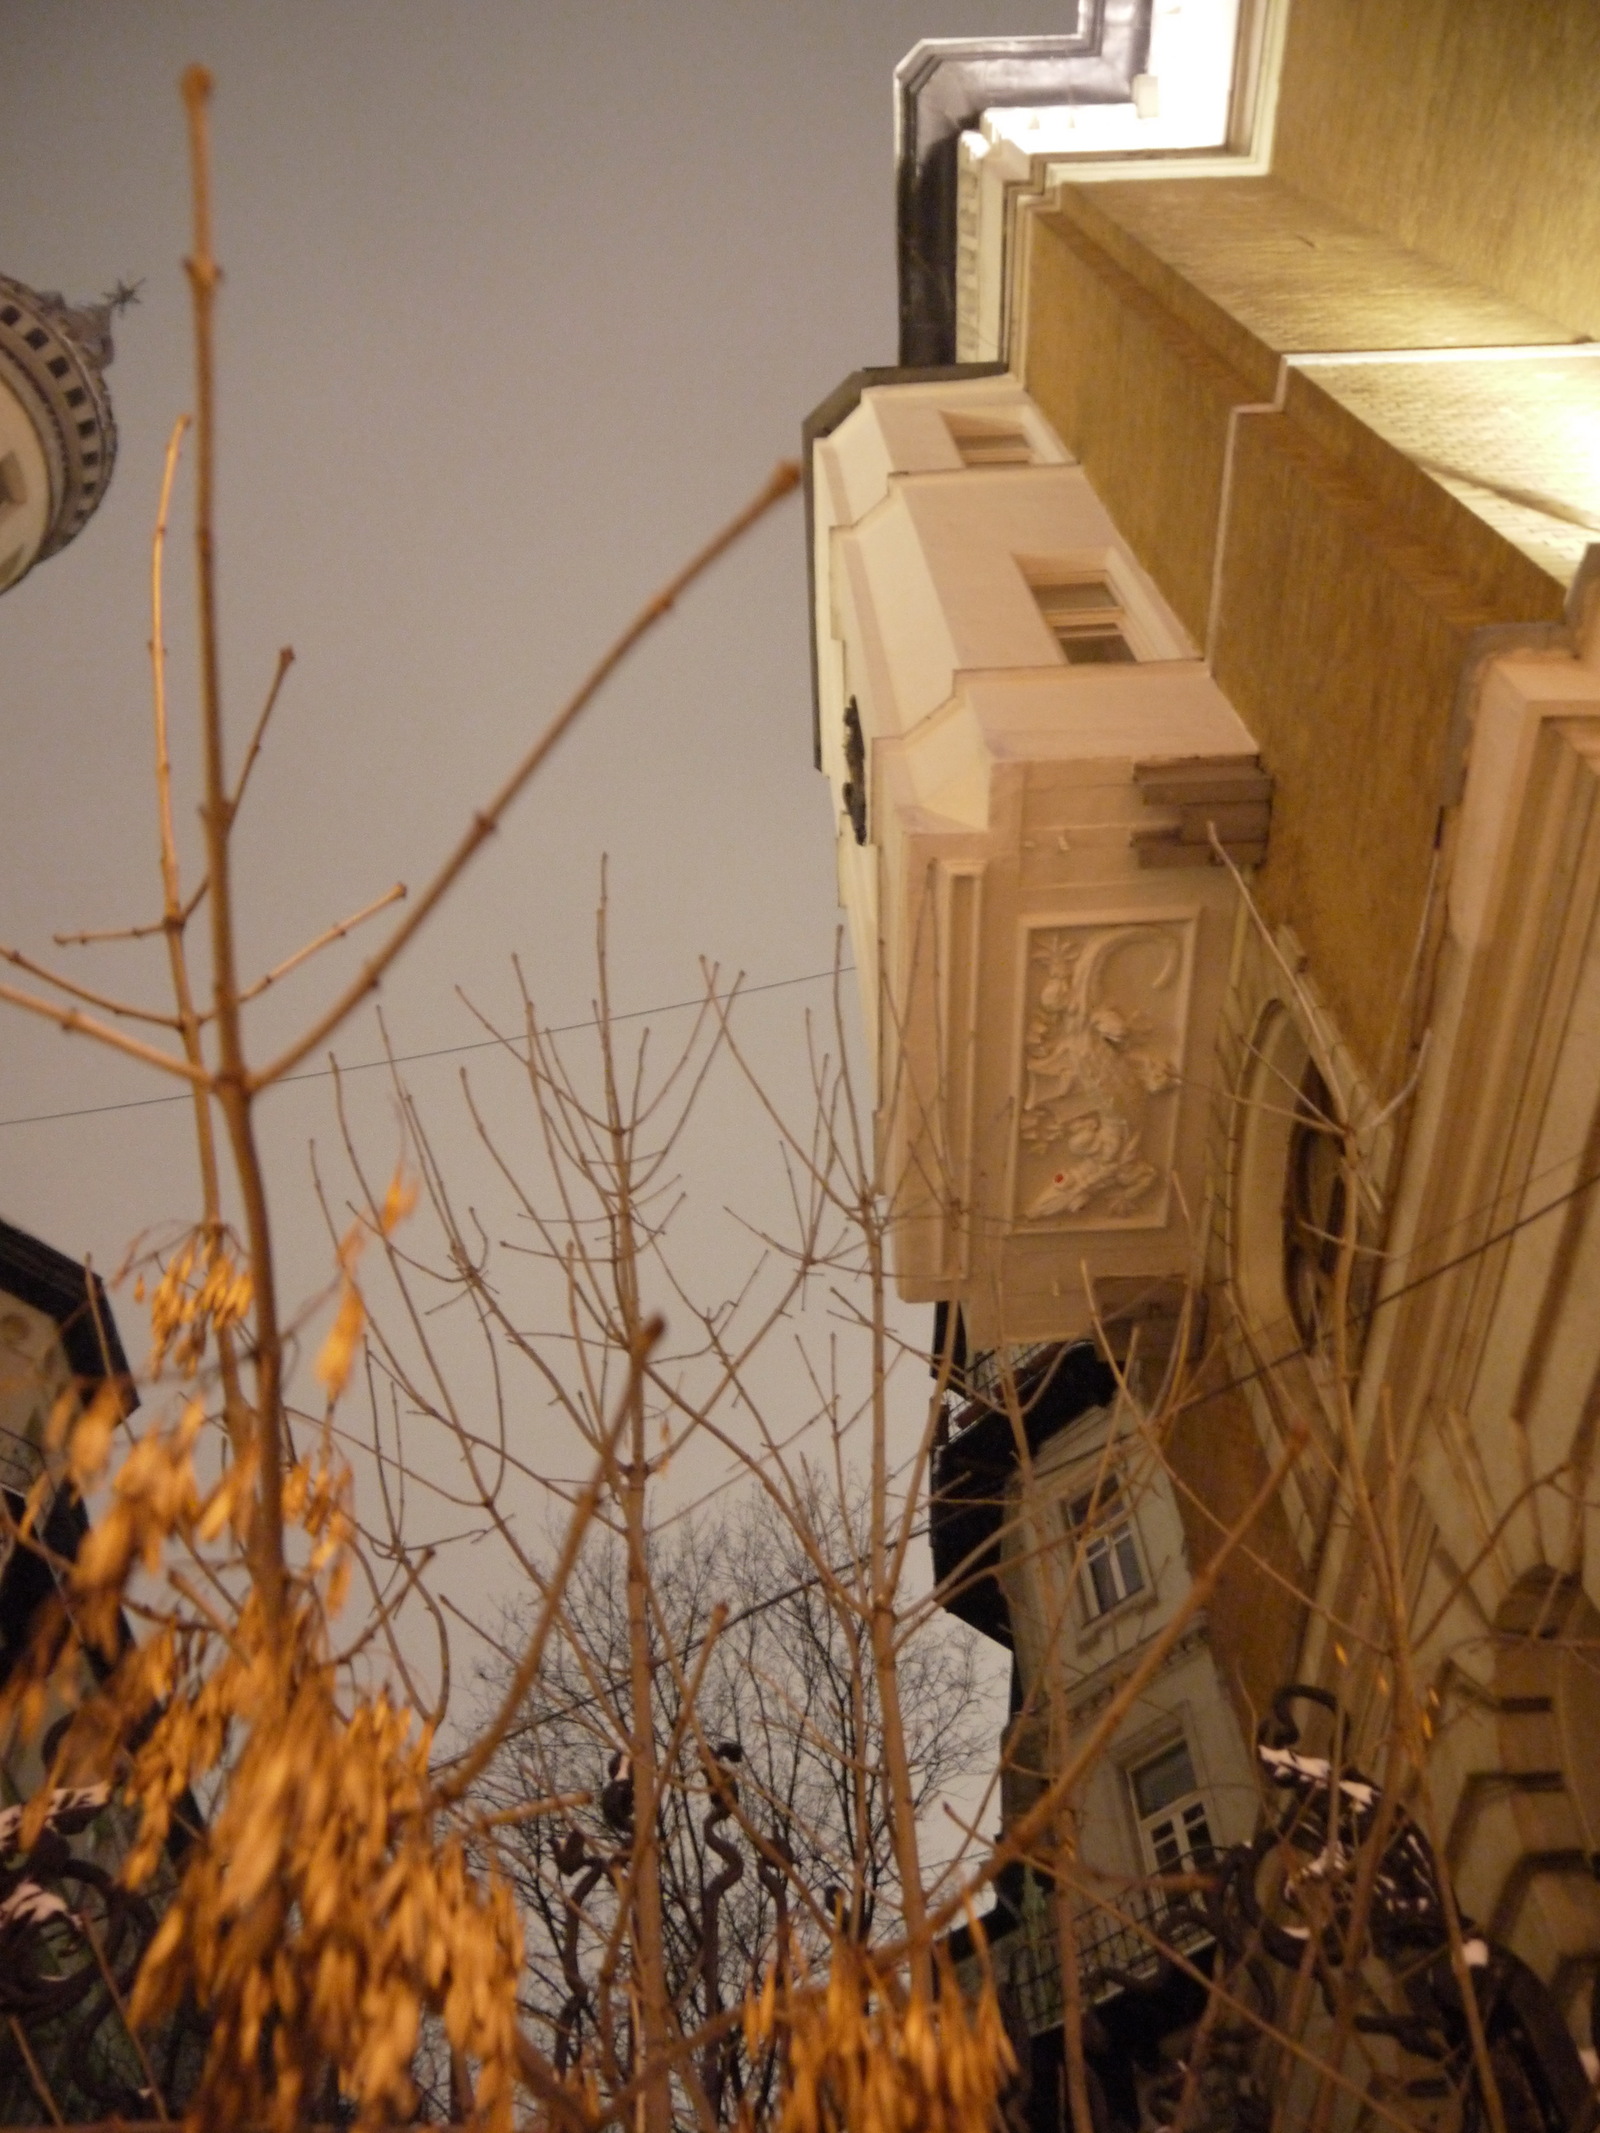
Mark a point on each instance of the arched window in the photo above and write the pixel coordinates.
(1313, 1208)
(1289, 1190)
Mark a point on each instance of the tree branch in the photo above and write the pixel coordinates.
(336, 932)
(68, 1018)
(81, 992)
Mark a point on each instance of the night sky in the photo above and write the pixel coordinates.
(521, 301)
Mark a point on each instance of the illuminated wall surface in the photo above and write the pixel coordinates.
(1331, 383)
(1346, 412)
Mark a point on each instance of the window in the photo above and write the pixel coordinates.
(1112, 1571)
(1172, 1815)
(1313, 1208)
(1289, 1195)
(855, 767)
(1087, 620)
(985, 441)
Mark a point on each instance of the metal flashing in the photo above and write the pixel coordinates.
(942, 87)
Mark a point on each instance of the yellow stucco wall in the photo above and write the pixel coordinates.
(1340, 641)
(1257, 1609)
(1292, 272)
(1141, 399)
(1516, 440)
(1464, 128)
(1353, 582)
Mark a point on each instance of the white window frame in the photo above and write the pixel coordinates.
(1109, 1543)
(1139, 619)
(1175, 1837)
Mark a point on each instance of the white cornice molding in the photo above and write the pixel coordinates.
(998, 184)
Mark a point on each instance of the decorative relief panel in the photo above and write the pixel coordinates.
(1102, 1056)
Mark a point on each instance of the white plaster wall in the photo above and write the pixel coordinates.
(1097, 1653)
(940, 567)
(1510, 1132)
(1188, 1696)
(993, 762)
(1065, 1470)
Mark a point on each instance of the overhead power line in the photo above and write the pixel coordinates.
(1356, 1318)
(441, 1051)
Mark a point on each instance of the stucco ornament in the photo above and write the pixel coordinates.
(1092, 1063)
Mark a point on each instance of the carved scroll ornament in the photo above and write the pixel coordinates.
(1100, 1072)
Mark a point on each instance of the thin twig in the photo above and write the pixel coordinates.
(152, 2086)
(130, 933)
(336, 932)
(125, 1008)
(285, 662)
(471, 1766)
(41, 2086)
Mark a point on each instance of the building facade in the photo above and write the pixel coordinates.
(1207, 666)
(71, 1935)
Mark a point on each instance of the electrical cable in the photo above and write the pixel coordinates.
(756, 1607)
(442, 1051)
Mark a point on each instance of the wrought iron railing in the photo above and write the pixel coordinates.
(1121, 1945)
(978, 1388)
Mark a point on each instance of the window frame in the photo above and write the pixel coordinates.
(1106, 1537)
(1282, 1257)
(996, 427)
(1086, 623)
(1176, 1820)
(1129, 604)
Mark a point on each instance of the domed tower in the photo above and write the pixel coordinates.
(57, 437)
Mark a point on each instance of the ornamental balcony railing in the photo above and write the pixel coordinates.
(1122, 1945)
(979, 1388)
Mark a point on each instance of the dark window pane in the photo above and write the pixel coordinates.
(1165, 1778)
(1107, 648)
(1164, 1844)
(1128, 1561)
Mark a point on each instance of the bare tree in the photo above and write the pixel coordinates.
(758, 1817)
(330, 1904)
(335, 1905)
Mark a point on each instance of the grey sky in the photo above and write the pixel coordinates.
(521, 301)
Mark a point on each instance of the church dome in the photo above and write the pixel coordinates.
(58, 440)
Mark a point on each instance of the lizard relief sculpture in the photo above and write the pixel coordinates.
(1090, 1068)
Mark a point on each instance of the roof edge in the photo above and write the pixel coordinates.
(941, 87)
(71, 1293)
